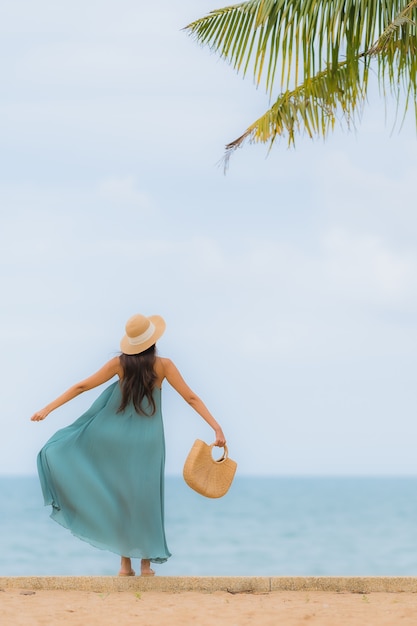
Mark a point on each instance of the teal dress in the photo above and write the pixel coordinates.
(104, 477)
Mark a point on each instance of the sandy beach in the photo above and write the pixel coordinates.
(26, 607)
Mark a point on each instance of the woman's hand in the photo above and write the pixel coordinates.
(220, 438)
(39, 415)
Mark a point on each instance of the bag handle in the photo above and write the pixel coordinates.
(225, 453)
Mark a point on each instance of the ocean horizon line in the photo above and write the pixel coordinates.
(263, 476)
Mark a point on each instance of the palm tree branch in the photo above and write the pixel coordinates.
(312, 106)
(315, 34)
(393, 28)
(325, 48)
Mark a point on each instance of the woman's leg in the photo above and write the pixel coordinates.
(126, 567)
(145, 568)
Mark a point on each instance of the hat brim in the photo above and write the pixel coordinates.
(127, 348)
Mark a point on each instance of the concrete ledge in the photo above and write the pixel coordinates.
(350, 584)
(209, 584)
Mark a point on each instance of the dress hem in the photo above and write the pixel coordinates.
(101, 546)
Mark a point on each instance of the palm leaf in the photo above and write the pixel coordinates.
(312, 107)
(324, 49)
(315, 34)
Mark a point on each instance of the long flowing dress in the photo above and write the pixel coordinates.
(104, 477)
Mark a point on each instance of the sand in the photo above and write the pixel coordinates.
(27, 607)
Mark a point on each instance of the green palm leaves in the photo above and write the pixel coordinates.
(319, 52)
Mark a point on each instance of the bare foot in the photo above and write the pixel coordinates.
(126, 567)
(145, 568)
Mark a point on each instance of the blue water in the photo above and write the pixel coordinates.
(263, 526)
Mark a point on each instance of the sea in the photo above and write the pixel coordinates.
(264, 526)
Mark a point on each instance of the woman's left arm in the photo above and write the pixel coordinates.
(175, 379)
(110, 369)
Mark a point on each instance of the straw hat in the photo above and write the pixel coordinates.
(141, 333)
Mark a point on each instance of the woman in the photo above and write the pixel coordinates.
(104, 474)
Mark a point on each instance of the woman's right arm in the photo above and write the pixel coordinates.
(175, 379)
(110, 369)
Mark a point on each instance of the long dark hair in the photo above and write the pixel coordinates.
(138, 380)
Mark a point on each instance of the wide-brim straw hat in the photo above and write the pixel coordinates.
(141, 333)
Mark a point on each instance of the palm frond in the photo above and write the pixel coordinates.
(393, 30)
(311, 108)
(320, 53)
(302, 36)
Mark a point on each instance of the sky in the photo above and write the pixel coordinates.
(288, 285)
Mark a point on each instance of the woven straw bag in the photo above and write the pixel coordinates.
(209, 477)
